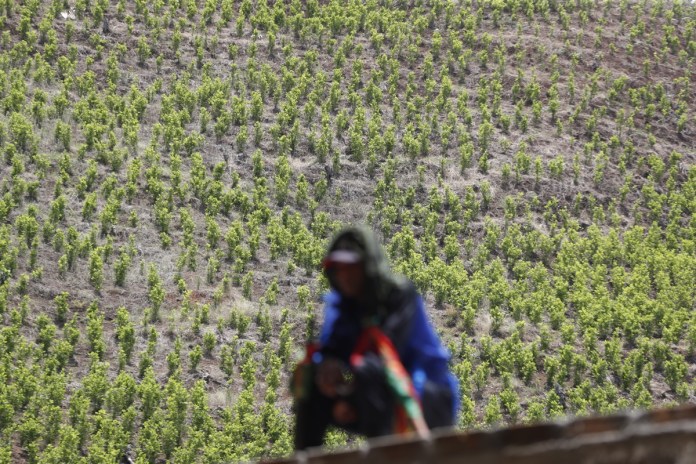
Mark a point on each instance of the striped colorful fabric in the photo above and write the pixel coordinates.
(409, 414)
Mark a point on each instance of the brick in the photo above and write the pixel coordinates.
(465, 444)
(526, 435)
(411, 450)
(595, 424)
(339, 457)
(685, 412)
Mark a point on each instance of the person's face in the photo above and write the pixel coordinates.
(349, 279)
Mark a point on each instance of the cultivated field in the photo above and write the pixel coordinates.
(171, 172)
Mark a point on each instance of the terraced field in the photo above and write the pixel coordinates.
(171, 172)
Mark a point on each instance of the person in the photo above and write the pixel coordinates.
(378, 366)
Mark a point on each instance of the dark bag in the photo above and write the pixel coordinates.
(302, 380)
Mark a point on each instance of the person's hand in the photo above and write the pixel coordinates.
(343, 413)
(331, 377)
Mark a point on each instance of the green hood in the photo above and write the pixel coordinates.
(381, 282)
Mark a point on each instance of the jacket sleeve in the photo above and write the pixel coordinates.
(419, 346)
(339, 330)
(424, 352)
(427, 360)
(331, 313)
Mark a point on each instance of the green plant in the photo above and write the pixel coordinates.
(195, 356)
(209, 342)
(96, 266)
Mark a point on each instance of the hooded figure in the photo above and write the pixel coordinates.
(377, 359)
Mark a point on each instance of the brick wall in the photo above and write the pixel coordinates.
(666, 436)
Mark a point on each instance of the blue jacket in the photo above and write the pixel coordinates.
(417, 344)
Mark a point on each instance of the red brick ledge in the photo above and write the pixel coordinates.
(639, 437)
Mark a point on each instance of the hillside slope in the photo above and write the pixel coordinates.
(172, 170)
